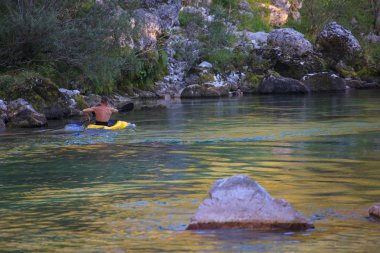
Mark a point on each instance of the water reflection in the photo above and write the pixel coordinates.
(135, 191)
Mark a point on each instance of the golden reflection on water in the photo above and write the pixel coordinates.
(137, 192)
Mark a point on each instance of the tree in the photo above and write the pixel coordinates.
(79, 36)
(375, 10)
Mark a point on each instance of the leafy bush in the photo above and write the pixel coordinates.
(63, 36)
(185, 18)
(222, 59)
(142, 69)
(253, 23)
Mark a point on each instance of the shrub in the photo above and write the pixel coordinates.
(70, 36)
(142, 69)
(253, 23)
(185, 18)
(222, 59)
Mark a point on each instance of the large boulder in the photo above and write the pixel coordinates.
(375, 211)
(290, 42)
(41, 93)
(339, 44)
(205, 90)
(239, 202)
(295, 56)
(281, 85)
(324, 81)
(22, 115)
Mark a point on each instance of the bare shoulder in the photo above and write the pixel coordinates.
(91, 109)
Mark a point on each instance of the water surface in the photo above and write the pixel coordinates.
(135, 190)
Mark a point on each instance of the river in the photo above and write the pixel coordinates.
(135, 190)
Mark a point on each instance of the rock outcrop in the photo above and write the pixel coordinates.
(3, 113)
(375, 211)
(324, 81)
(281, 85)
(43, 95)
(204, 91)
(280, 10)
(22, 115)
(361, 85)
(252, 39)
(339, 44)
(296, 56)
(290, 42)
(239, 202)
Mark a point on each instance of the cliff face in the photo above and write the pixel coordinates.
(212, 50)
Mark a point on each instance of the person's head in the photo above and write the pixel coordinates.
(104, 100)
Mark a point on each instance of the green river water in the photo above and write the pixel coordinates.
(135, 190)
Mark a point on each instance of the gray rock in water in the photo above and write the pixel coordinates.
(338, 44)
(239, 202)
(21, 114)
(281, 85)
(205, 90)
(375, 210)
(324, 81)
(358, 84)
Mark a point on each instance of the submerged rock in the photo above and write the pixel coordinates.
(324, 81)
(375, 210)
(239, 202)
(281, 85)
(22, 114)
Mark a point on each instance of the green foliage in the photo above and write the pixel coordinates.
(81, 103)
(11, 82)
(186, 18)
(63, 37)
(316, 13)
(206, 77)
(253, 23)
(142, 69)
(220, 58)
(373, 52)
(227, 4)
(253, 80)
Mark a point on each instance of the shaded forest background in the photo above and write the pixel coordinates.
(76, 43)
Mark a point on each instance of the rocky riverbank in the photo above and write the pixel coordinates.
(282, 61)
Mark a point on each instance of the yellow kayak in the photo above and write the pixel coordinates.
(117, 126)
